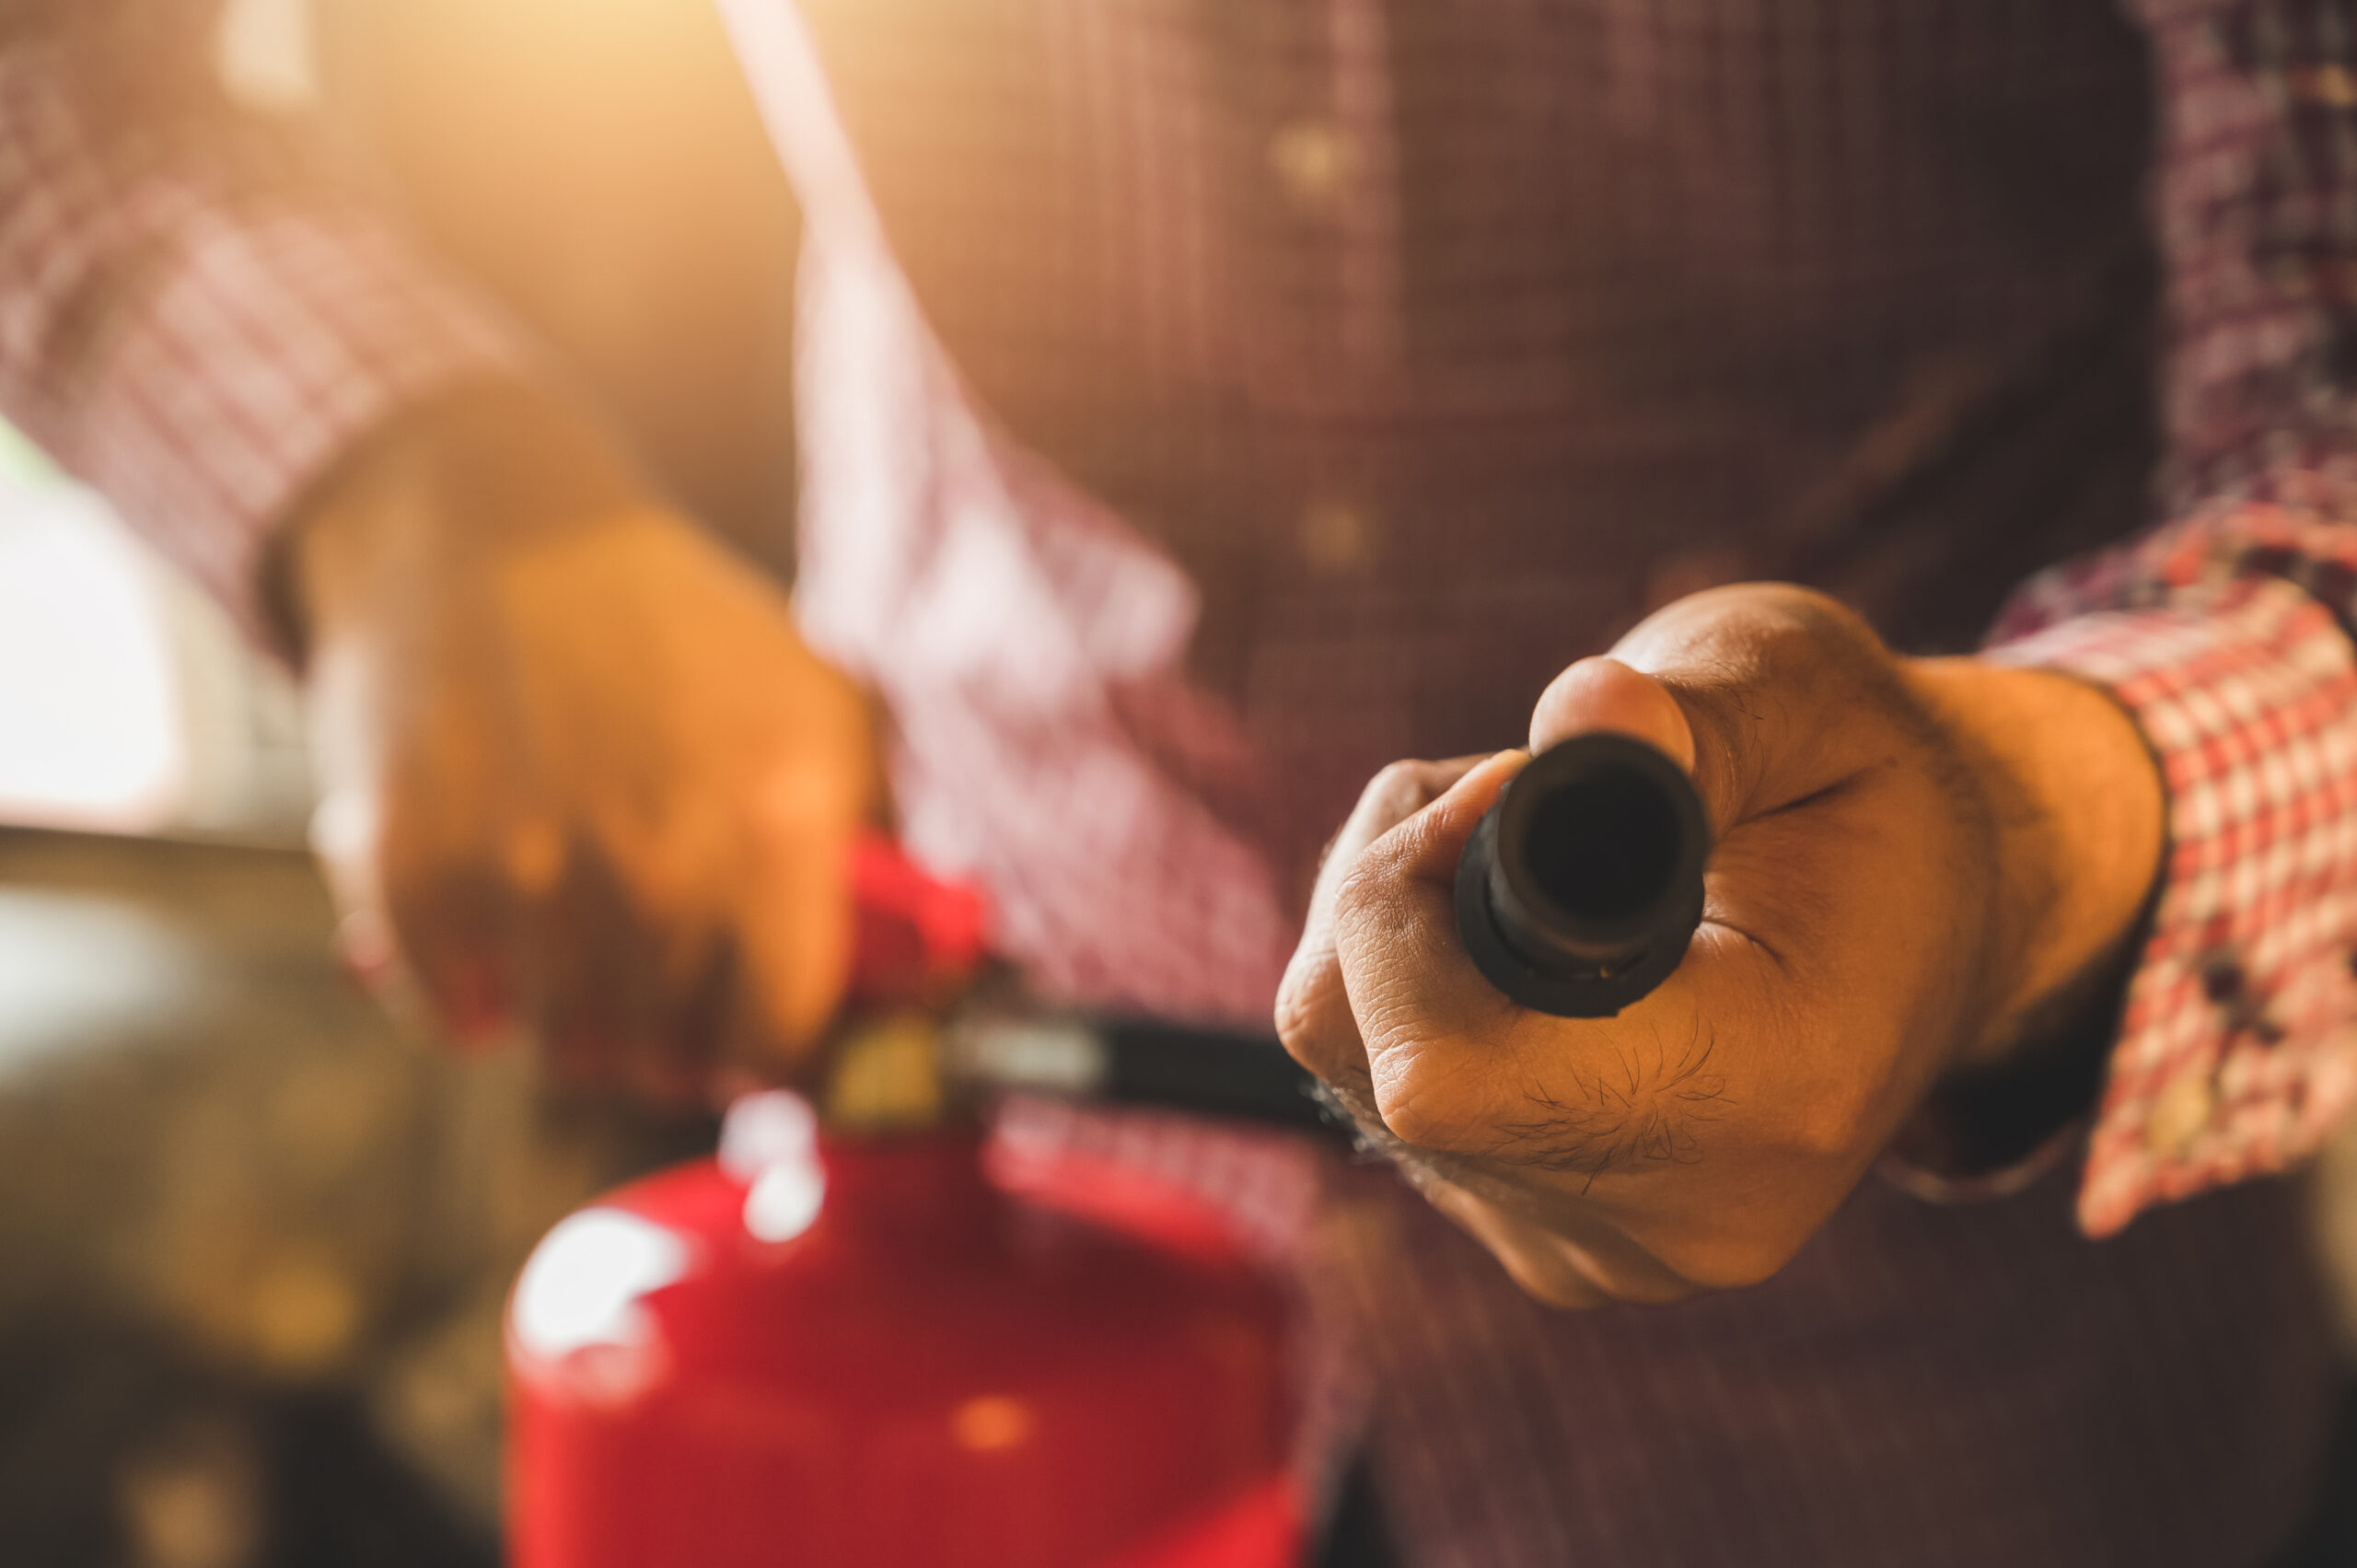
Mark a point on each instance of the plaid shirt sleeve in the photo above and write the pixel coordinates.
(187, 323)
(2228, 632)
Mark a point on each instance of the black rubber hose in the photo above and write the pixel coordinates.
(1581, 888)
(1576, 895)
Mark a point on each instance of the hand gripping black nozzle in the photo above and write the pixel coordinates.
(1580, 888)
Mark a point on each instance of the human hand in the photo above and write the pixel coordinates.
(579, 773)
(1913, 860)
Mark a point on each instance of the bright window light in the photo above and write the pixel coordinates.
(90, 731)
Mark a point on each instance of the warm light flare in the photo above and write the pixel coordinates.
(90, 733)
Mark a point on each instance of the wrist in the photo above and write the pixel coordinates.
(2077, 815)
(437, 498)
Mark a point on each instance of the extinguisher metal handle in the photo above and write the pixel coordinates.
(1119, 1059)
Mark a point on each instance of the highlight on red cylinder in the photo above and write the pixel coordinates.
(865, 1334)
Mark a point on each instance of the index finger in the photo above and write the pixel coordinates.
(1411, 986)
(1313, 1016)
(1393, 795)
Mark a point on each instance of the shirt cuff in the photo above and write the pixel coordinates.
(263, 345)
(2237, 1049)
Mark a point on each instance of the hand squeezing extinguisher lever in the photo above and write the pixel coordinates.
(1581, 886)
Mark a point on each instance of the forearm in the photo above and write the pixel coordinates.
(188, 324)
(2215, 1044)
(2078, 820)
(578, 771)
(2077, 806)
(438, 492)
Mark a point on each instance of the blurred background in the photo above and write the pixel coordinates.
(256, 1236)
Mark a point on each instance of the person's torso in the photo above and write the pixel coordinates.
(1439, 341)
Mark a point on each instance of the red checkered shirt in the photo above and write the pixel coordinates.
(185, 321)
(1194, 398)
(2218, 630)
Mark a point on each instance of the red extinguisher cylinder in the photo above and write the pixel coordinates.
(821, 1350)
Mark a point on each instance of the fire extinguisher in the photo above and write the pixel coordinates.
(859, 1337)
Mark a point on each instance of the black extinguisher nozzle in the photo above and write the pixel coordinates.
(1581, 888)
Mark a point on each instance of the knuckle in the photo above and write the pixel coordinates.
(1363, 898)
(1735, 1261)
(1299, 1013)
(1315, 1025)
(1547, 1277)
(1816, 643)
(1397, 788)
(1418, 1116)
(1559, 1289)
(1357, 890)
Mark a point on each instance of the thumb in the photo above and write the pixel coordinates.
(794, 933)
(1604, 693)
